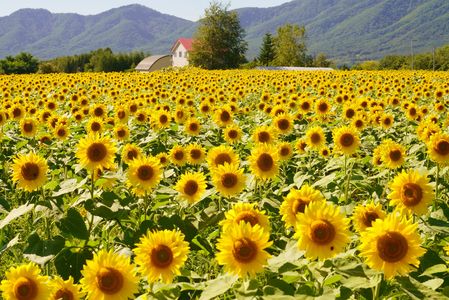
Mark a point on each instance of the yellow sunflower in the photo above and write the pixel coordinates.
(364, 215)
(228, 179)
(161, 255)
(300, 146)
(411, 192)
(28, 127)
(296, 201)
(29, 171)
(245, 212)
(346, 140)
(242, 249)
(121, 132)
(285, 151)
(264, 162)
(163, 159)
(192, 127)
(109, 276)
(65, 289)
(232, 134)
(191, 186)
(222, 154)
(25, 283)
(393, 154)
(95, 126)
(178, 155)
(438, 148)
(144, 174)
(131, 152)
(283, 123)
(264, 134)
(96, 152)
(195, 154)
(322, 230)
(61, 132)
(315, 138)
(391, 245)
(223, 116)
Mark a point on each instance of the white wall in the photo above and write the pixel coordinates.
(180, 61)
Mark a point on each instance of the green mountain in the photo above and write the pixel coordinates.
(347, 30)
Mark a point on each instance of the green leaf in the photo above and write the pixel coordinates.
(417, 290)
(440, 268)
(68, 186)
(283, 286)
(44, 247)
(332, 279)
(218, 286)
(4, 204)
(10, 244)
(74, 225)
(70, 263)
(15, 213)
(434, 283)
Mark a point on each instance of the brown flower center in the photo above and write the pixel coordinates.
(222, 158)
(98, 112)
(347, 139)
(163, 119)
(392, 247)
(358, 123)
(442, 148)
(305, 105)
(109, 280)
(191, 187)
(244, 250)
(64, 294)
(17, 112)
(369, 217)
(61, 132)
(97, 152)
(387, 121)
(247, 216)
(411, 194)
(225, 116)
(299, 205)
(95, 126)
(121, 114)
(28, 127)
(315, 138)
(265, 162)
(263, 136)
(141, 117)
(195, 154)
(283, 124)
(30, 171)
(131, 154)
(233, 134)
(193, 127)
(121, 133)
(322, 232)
(395, 155)
(179, 155)
(229, 180)
(25, 289)
(322, 107)
(350, 113)
(285, 151)
(161, 256)
(145, 172)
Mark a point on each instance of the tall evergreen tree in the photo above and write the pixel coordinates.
(219, 40)
(266, 54)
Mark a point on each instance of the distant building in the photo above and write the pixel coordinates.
(179, 57)
(154, 63)
(180, 52)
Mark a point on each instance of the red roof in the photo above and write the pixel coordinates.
(186, 42)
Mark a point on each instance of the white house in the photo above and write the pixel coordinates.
(180, 52)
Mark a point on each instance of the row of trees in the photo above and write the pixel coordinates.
(437, 60)
(22, 63)
(219, 44)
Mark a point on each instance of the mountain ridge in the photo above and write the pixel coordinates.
(346, 30)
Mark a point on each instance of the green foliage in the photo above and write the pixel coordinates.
(23, 63)
(266, 54)
(219, 40)
(290, 46)
(321, 60)
(368, 65)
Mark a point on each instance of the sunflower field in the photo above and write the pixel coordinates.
(193, 184)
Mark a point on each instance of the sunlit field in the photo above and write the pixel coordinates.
(229, 184)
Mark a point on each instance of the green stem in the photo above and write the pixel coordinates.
(91, 220)
(437, 190)
(347, 179)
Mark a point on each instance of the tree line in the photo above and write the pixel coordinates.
(100, 60)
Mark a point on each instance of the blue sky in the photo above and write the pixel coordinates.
(190, 10)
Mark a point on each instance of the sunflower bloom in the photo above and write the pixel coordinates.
(191, 186)
(161, 255)
(346, 140)
(315, 138)
(264, 162)
(29, 171)
(322, 230)
(245, 212)
(392, 245)
(438, 148)
(364, 215)
(65, 289)
(222, 154)
(242, 249)
(296, 201)
(109, 276)
(411, 192)
(25, 282)
(228, 179)
(144, 173)
(96, 152)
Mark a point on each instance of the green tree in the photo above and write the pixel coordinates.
(23, 63)
(321, 61)
(290, 45)
(266, 54)
(219, 40)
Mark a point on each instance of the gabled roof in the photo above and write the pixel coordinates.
(186, 42)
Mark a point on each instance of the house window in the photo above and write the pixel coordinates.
(180, 53)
